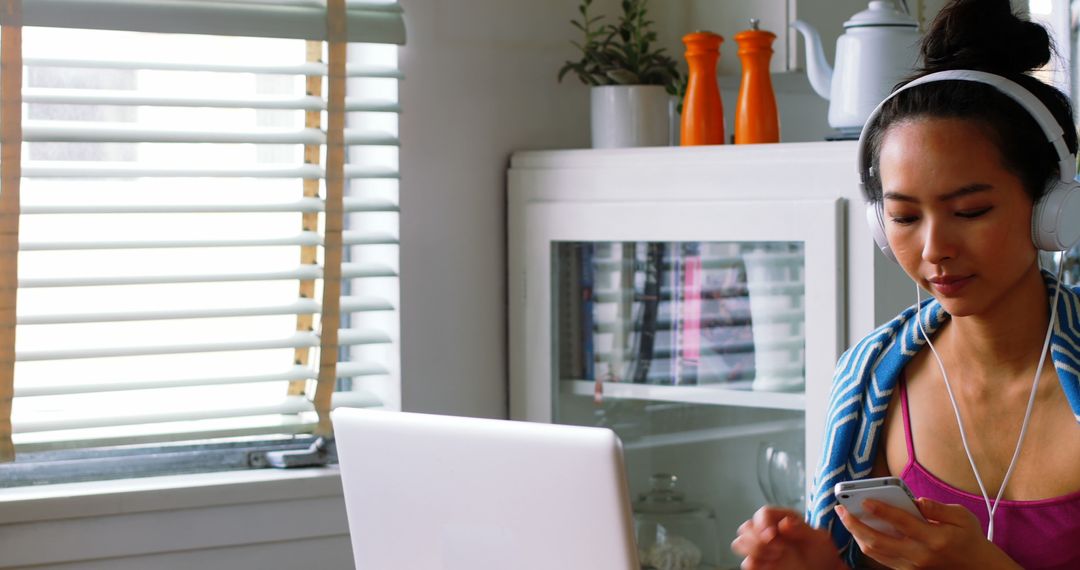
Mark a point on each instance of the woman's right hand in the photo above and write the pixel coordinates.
(779, 539)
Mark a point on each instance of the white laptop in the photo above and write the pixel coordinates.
(428, 492)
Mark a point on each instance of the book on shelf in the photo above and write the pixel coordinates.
(587, 279)
(645, 325)
(674, 276)
(673, 313)
(568, 310)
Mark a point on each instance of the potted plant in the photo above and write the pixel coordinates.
(631, 80)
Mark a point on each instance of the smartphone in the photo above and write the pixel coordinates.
(889, 490)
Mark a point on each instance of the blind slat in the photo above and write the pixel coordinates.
(58, 169)
(365, 270)
(349, 337)
(302, 239)
(86, 132)
(281, 425)
(300, 306)
(297, 340)
(355, 304)
(355, 337)
(301, 205)
(289, 405)
(354, 369)
(368, 22)
(296, 373)
(368, 238)
(350, 270)
(302, 272)
(132, 98)
(307, 69)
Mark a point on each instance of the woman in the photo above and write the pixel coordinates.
(954, 170)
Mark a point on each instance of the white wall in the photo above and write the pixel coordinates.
(480, 84)
(240, 520)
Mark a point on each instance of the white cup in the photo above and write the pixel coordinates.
(775, 284)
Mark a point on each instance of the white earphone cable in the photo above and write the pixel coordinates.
(991, 508)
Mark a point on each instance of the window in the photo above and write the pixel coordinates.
(176, 195)
(1055, 15)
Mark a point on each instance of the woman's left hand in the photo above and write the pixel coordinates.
(950, 537)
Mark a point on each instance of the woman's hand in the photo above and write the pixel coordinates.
(779, 539)
(950, 537)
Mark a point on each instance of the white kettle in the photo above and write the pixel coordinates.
(879, 47)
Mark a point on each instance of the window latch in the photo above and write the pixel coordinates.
(318, 454)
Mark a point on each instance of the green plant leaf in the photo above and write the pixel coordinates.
(624, 77)
(563, 71)
(622, 51)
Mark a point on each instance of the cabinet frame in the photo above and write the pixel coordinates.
(818, 224)
(870, 289)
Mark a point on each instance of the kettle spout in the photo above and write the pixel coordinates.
(817, 69)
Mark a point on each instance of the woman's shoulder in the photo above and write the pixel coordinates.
(883, 353)
(905, 321)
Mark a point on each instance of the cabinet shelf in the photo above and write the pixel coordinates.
(714, 434)
(717, 394)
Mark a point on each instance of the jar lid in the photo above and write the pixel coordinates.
(662, 498)
(881, 13)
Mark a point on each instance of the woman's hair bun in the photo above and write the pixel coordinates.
(984, 35)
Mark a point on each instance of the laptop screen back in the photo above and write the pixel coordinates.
(427, 492)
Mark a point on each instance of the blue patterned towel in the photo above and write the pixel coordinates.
(863, 385)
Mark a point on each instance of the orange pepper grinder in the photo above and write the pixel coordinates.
(703, 111)
(756, 118)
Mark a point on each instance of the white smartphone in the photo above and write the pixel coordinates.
(888, 490)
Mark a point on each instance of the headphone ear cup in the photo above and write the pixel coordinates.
(1055, 219)
(875, 218)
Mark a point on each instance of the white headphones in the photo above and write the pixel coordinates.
(1051, 230)
(1055, 219)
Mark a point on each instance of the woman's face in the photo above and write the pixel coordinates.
(958, 222)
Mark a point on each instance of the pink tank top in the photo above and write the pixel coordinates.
(1038, 535)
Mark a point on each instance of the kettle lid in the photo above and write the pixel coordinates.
(881, 13)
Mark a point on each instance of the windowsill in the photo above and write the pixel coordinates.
(172, 492)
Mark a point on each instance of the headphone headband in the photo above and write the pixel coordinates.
(1055, 135)
(1054, 224)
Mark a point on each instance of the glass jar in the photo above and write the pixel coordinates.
(672, 533)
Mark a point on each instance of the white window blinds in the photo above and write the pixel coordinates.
(207, 222)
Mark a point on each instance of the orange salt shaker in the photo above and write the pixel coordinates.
(756, 117)
(703, 111)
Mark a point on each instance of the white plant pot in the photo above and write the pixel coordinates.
(629, 115)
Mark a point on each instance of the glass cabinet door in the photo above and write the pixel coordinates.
(681, 313)
(699, 342)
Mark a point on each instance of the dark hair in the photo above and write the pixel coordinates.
(983, 35)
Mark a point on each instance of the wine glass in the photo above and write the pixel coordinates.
(782, 476)
(764, 460)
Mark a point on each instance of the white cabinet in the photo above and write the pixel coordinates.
(694, 300)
